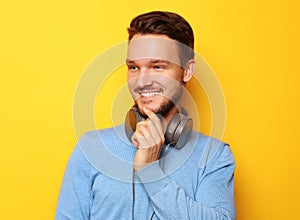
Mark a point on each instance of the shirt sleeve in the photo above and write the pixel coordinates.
(75, 197)
(214, 197)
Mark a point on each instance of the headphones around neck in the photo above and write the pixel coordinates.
(178, 130)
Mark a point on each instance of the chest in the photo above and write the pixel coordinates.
(114, 199)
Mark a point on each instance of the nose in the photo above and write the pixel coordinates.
(143, 78)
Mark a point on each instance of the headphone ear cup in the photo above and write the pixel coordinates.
(132, 118)
(179, 130)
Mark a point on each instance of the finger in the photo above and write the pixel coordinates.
(148, 128)
(144, 138)
(136, 135)
(142, 124)
(148, 131)
(134, 141)
(157, 135)
(155, 119)
(144, 135)
(149, 112)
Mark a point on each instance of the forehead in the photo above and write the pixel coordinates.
(154, 47)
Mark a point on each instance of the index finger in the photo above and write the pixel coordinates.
(150, 113)
(159, 122)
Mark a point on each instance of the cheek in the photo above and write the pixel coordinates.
(130, 86)
(172, 81)
(130, 80)
(130, 77)
(175, 75)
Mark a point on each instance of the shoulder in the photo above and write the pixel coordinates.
(95, 135)
(90, 144)
(212, 150)
(111, 134)
(107, 151)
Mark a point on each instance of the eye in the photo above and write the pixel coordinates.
(131, 67)
(159, 67)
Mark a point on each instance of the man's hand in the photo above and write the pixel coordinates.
(149, 139)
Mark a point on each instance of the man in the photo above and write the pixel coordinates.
(108, 177)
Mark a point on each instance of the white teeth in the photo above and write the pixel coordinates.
(150, 94)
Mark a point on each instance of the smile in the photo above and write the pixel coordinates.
(150, 94)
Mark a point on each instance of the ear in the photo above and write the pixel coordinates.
(189, 70)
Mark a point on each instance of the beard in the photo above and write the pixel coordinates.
(166, 106)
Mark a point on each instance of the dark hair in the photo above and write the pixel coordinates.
(166, 23)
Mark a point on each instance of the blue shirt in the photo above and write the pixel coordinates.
(195, 182)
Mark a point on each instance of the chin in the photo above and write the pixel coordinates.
(158, 108)
(150, 106)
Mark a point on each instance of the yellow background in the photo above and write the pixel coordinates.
(253, 47)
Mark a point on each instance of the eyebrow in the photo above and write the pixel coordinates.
(152, 61)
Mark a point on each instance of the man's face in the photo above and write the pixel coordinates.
(155, 78)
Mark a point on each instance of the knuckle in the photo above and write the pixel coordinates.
(156, 119)
(142, 125)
